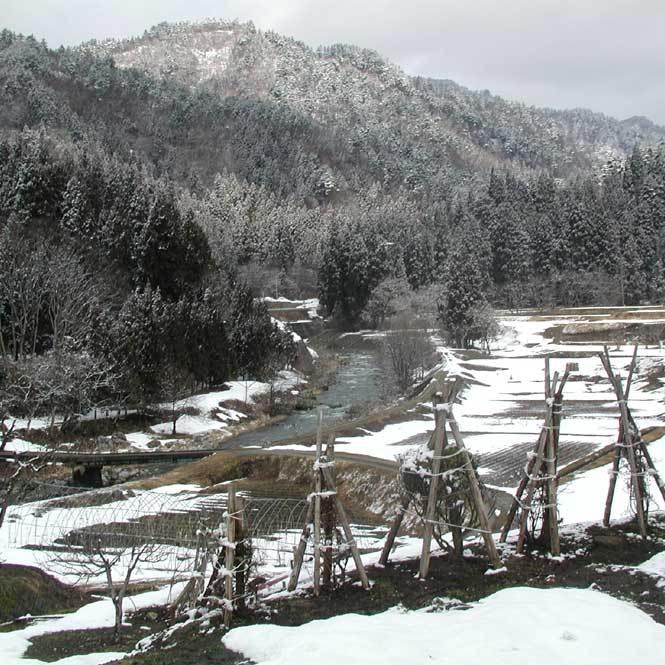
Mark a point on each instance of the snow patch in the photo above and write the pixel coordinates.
(562, 626)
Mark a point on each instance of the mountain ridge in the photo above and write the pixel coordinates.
(363, 92)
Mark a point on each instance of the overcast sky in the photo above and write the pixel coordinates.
(607, 55)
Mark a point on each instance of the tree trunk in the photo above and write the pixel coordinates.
(458, 541)
(117, 606)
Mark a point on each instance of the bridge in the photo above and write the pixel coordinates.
(87, 466)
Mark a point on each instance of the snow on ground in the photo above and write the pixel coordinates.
(189, 425)
(93, 615)
(511, 627)
(238, 391)
(583, 498)
(42, 523)
(21, 446)
(655, 566)
(503, 407)
(212, 415)
(310, 306)
(387, 443)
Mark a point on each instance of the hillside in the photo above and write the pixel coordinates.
(326, 173)
(377, 106)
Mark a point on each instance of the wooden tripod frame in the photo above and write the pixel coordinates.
(443, 415)
(325, 489)
(631, 446)
(541, 468)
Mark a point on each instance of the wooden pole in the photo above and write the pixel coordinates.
(346, 527)
(317, 509)
(627, 440)
(616, 462)
(476, 494)
(654, 472)
(551, 514)
(517, 499)
(241, 554)
(300, 550)
(394, 530)
(229, 554)
(328, 518)
(635, 470)
(430, 512)
(532, 482)
(631, 371)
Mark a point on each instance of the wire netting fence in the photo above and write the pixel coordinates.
(183, 524)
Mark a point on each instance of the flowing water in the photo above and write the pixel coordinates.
(357, 383)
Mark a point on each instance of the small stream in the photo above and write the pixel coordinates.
(357, 382)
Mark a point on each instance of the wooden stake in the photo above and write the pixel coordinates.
(551, 515)
(530, 465)
(229, 554)
(300, 550)
(241, 555)
(328, 519)
(632, 461)
(626, 440)
(476, 494)
(430, 512)
(616, 462)
(346, 526)
(654, 472)
(631, 371)
(394, 530)
(531, 484)
(317, 509)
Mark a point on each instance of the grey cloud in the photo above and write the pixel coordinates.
(605, 55)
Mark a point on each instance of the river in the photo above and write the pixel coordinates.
(357, 383)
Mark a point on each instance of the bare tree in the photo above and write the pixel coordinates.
(176, 385)
(21, 289)
(484, 326)
(63, 385)
(386, 300)
(68, 297)
(17, 480)
(99, 551)
(407, 352)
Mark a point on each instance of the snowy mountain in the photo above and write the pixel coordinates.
(375, 105)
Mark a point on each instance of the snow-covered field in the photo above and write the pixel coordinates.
(501, 410)
(516, 626)
(503, 407)
(43, 523)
